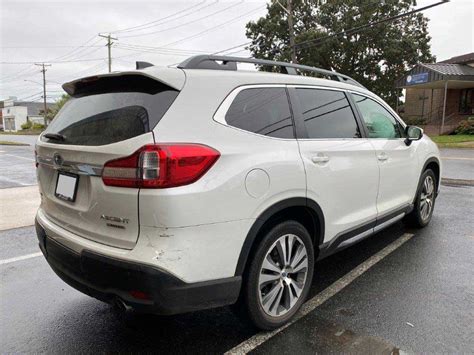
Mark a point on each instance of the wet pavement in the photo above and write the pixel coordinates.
(17, 166)
(419, 298)
(458, 163)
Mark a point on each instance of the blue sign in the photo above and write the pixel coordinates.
(417, 78)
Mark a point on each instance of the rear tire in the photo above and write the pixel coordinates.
(279, 276)
(424, 201)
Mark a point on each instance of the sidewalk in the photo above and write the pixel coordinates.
(18, 206)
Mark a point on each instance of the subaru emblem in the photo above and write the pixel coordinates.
(58, 160)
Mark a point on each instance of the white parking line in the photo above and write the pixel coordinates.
(19, 258)
(18, 156)
(258, 339)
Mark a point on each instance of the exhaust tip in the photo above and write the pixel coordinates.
(121, 306)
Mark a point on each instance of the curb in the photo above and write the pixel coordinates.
(12, 143)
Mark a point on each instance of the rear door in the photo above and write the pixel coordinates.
(341, 168)
(398, 162)
(106, 120)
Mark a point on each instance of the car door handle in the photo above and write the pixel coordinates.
(382, 156)
(320, 159)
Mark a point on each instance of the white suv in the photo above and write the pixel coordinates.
(168, 190)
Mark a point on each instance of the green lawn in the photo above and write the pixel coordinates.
(454, 141)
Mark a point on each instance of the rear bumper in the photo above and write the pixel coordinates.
(108, 279)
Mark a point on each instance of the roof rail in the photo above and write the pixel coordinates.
(230, 63)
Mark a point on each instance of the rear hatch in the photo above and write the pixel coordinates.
(107, 117)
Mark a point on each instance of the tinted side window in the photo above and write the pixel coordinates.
(327, 114)
(380, 123)
(262, 110)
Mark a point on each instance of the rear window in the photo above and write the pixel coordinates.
(110, 117)
(264, 111)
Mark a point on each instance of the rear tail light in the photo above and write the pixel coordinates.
(160, 166)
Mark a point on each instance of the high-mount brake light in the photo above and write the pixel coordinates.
(160, 166)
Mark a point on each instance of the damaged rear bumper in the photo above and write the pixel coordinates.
(140, 286)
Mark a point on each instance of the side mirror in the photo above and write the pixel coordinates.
(413, 133)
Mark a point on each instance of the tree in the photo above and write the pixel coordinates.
(375, 57)
(54, 109)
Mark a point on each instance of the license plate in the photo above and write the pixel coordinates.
(66, 186)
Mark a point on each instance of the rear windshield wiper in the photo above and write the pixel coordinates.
(55, 136)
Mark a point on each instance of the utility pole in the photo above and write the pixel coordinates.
(291, 31)
(109, 45)
(45, 109)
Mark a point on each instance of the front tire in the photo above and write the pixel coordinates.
(279, 276)
(425, 200)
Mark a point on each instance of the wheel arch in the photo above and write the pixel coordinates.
(301, 209)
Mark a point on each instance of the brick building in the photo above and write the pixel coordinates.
(439, 95)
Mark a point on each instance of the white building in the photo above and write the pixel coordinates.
(15, 113)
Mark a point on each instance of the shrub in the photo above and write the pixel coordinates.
(465, 127)
(38, 126)
(26, 125)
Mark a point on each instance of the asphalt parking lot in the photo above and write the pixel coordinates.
(17, 166)
(402, 289)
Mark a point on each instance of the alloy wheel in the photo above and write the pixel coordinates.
(283, 275)
(427, 198)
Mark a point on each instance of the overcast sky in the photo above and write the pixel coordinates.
(51, 31)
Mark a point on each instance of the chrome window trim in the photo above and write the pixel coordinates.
(71, 166)
(219, 115)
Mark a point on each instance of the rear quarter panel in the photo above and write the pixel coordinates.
(222, 194)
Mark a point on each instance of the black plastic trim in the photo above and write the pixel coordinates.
(301, 132)
(333, 245)
(109, 279)
(355, 110)
(266, 215)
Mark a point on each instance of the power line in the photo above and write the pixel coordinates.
(79, 73)
(186, 23)
(157, 52)
(23, 73)
(157, 22)
(234, 47)
(215, 27)
(29, 96)
(160, 49)
(44, 47)
(54, 61)
(69, 53)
